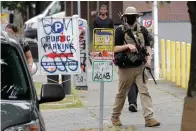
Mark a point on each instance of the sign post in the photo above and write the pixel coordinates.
(101, 106)
(103, 44)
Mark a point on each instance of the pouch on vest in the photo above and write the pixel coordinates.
(127, 58)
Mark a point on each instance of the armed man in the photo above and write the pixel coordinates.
(132, 55)
(133, 91)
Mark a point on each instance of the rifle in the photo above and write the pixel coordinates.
(143, 51)
(150, 71)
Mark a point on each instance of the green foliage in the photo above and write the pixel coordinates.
(19, 6)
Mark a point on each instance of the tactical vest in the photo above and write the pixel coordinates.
(131, 59)
(137, 34)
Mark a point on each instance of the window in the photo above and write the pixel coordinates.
(56, 8)
(14, 84)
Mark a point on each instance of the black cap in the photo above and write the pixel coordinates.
(13, 27)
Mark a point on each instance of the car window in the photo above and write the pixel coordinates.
(14, 84)
(56, 8)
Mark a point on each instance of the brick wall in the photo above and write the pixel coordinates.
(175, 11)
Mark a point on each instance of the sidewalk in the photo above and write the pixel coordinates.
(167, 101)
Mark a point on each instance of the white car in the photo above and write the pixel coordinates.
(55, 9)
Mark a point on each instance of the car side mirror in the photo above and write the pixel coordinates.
(34, 69)
(51, 92)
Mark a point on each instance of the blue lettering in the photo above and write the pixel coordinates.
(57, 38)
(68, 38)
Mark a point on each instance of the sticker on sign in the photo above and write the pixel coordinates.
(103, 44)
(102, 71)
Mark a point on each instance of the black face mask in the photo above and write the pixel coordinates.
(131, 19)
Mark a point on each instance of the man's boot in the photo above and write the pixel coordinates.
(151, 122)
(116, 121)
(133, 107)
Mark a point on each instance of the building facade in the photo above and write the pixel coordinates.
(173, 18)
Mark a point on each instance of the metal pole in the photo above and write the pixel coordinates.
(79, 9)
(110, 9)
(156, 45)
(88, 6)
(60, 79)
(97, 7)
(101, 106)
(65, 8)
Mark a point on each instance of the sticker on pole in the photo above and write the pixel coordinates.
(58, 46)
(102, 71)
(103, 44)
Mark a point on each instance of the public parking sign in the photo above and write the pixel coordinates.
(58, 45)
(103, 44)
(102, 71)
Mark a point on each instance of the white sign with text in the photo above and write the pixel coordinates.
(102, 71)
(58, 46)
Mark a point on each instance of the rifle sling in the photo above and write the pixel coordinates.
(130, 33)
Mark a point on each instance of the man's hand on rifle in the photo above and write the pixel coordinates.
(148, 63)
(132, 47)
(148, 58)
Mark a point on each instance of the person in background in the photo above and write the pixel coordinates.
(132, 98)
(13, 30)
(103, 21)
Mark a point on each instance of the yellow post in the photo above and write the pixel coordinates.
(188, 54)
(168, 60)
(163, 64)
(183, 65)
(173, 61)
(178, 63)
